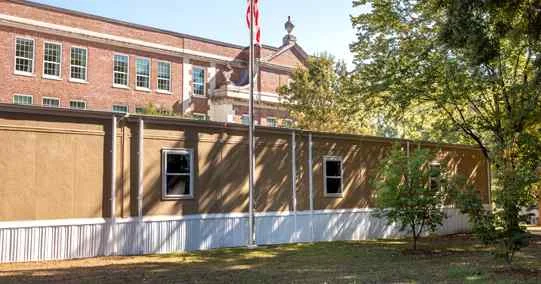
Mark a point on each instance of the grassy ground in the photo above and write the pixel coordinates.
(454, 259)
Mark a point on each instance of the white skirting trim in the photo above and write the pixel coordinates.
(78, 238)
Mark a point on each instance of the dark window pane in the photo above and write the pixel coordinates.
(178, 185)
(178, 163)
(333, 168)
(334, 185)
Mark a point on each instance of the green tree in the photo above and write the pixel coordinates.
(410, 192)
(318, 98)
(473, 65)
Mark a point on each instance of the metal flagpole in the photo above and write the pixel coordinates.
(251, 151)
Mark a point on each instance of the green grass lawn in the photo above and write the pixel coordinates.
(454, 259)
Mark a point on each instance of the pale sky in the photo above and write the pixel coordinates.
(320, 25)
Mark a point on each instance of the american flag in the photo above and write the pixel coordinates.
(257, 27)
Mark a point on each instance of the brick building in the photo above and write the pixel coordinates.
(55, 57)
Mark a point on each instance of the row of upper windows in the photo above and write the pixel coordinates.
(55, 102)
(52, 64)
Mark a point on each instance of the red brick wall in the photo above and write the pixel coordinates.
(99, 91)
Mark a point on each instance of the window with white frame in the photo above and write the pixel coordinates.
(287, 123)
(22, 99)
(140, 110)
(271, 122)
(434, 175)
(198, 78)
(77, 104)
(332, 172)
(199, 116)
(164, 76)
(79, 62)
(50, 102)
(120, 108)
(52, 59)
(24, 55)
(245, 119)
(142, 70)
(120, 70)
(177, 173)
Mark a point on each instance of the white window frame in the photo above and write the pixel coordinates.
(47, 76)
(147, 89)
(77, 80)
(164, 174)
(201, 115)
(78, 101)
(242, 119)
(194, 67)
(50, 98)
(272, 118)
(24, 73)
(333, 158)
(118, 105)
(116, 85)
(434, 164)
(158, 77)
(22, 95)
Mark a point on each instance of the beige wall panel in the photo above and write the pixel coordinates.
(273, 173)
(303, 194)
(50, 175)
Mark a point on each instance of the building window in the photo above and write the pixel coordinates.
(332, 172)
(142, 69)
(177, 175)
(77, 104)
(22, 99)
(245, 119)
(199, 116)
(120, 70)
(140, 110)
(287, 123)
(24, 55)
(271, 122)
(164, 76)
(52, 58)
(434, 174)
(50, 102)
(198, 77)
(78, 64)
(120, 108)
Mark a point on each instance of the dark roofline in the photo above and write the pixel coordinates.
(131, 25)
(179, 121)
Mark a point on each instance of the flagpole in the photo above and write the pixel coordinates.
(251, 242)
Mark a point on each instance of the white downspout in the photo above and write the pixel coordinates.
(140, 153)
(294, 179)
(311, 185)
(113, 185)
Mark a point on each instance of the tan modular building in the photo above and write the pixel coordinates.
(176, 184)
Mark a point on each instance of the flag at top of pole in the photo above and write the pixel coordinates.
(256, 27)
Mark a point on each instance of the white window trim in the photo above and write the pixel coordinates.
(163, 91)
(333, 158)
(204, 116)
(23, 95)
(182, 151)
(127, 72)
(76, 80)
(149, 89)
(204, 95)
(78, 101)
(50, 98)
(23, 73)
(118, 105)
(46, 76)
(271, 118)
